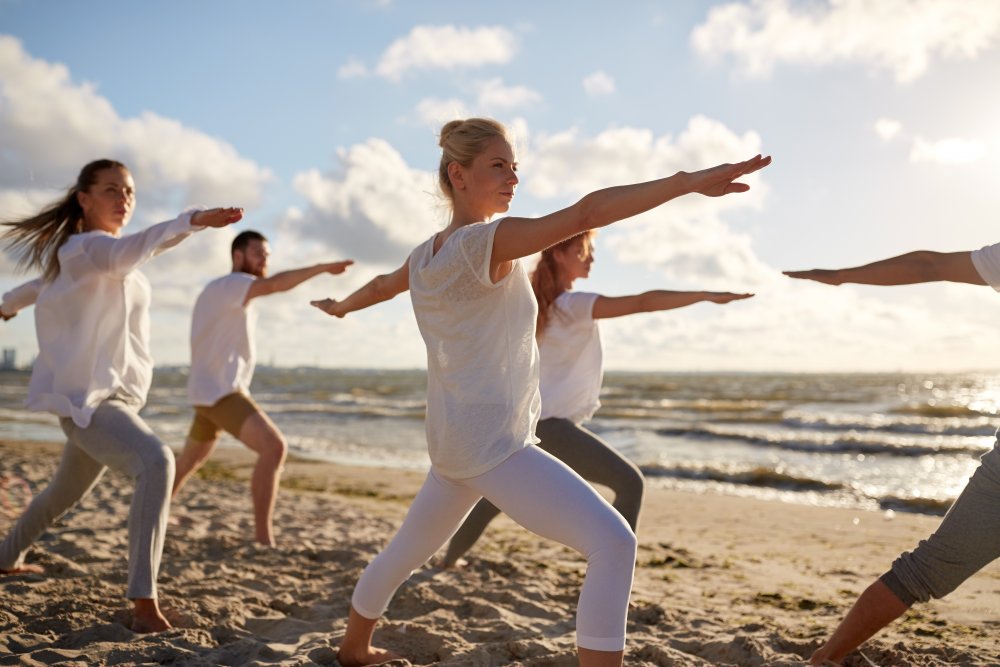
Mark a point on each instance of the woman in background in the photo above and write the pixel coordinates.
(570, 374)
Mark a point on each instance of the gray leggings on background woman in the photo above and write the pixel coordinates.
(967, 540)
(116, 438)
(588, 456)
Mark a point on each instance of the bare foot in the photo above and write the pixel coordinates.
(24, 569)
(148, 618)
(374, 656)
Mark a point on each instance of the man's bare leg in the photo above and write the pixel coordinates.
(356, 649)
(192, 457)
(260, 434)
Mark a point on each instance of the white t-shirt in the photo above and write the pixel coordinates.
(572, 361)
(222, 340)
(987, 263)
(92, 321)
(482, 361)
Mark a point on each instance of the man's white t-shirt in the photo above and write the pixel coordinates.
(222, 340)
(987, 263)
(572, 361)
(482, 360)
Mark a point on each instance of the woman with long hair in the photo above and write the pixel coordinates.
(571, 370)
(93, 368)
(476, 313)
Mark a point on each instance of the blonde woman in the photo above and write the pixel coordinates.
(476, 312)
(571, 370)
(93, 368)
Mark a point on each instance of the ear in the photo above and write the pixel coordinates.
(83, 199)
(456, 176)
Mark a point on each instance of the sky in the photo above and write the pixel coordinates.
(321, 119)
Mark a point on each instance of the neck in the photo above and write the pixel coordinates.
(463, 213)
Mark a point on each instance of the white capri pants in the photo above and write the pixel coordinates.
(545, 496)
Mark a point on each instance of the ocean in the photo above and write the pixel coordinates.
(900, 442)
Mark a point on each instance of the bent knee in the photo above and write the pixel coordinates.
(273, 450)
(159, 463)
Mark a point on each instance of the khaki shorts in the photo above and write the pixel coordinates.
(228, 414)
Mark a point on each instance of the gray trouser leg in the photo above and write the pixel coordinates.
(588, 456)
(966, 541)
(74, 478)
(118, 438)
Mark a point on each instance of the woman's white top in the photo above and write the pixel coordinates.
(21, 297)
(572, 360)
(92, 321)
(222, 340)
(482, 360)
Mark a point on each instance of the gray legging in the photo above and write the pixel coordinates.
(116, 438)
(965, 542)
(589, 456)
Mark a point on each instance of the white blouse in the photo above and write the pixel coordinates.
(482, 361)
(92, 321)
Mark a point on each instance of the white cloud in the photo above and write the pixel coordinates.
(352, 69)
(374, 208)
(52, 126)
(436, 112)
(599, 83)
(901, 36)
(685, 238)
(493, 95)
(887, 128)
(446, 47)
(947, 151)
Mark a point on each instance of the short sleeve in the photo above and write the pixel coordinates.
(576, 306)
(231, 292)
(987, 263)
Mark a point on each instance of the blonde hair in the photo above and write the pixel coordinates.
(545, 279)
(37, 238)
(461, 141)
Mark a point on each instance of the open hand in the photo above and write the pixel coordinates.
(726, 297)
(720, 180)
(337, 267)
(217, 217)
(827, 276)
(329, 306)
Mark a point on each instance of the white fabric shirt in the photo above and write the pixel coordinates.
(92, 321)
(222, 340)
(572, 360)
(21, 297)
(987, 263)
(482, 361)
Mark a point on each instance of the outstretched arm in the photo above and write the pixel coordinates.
(121, 255)
(286, 280)
(654, 300)
(520, 237)
(922, 266)
(20, 297)
(378, 289)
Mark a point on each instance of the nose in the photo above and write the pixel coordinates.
(513, 179)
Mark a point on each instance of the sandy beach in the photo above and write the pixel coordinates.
(720, 580)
